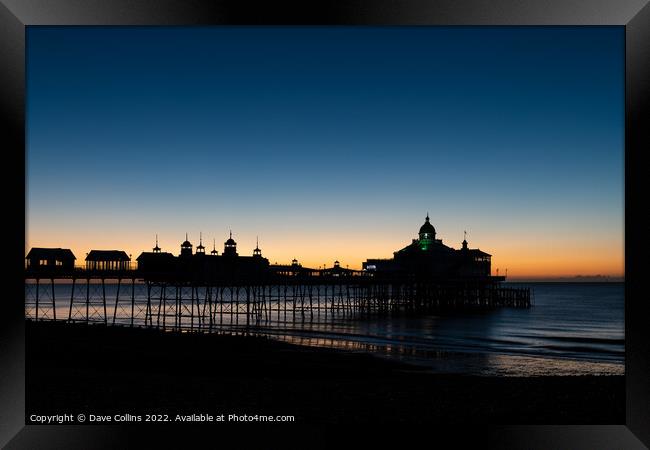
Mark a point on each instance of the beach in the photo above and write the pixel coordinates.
(573, 328)
(93, 369)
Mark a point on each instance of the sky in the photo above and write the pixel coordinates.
(330, 142)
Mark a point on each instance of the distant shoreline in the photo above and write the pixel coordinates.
(566, 280)
(508, 280)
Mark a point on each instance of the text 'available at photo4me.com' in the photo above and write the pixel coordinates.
(83, 418)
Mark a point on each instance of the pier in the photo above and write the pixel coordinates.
(130, 298)
(231, 293)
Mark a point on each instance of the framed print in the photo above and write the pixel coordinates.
(370, 213)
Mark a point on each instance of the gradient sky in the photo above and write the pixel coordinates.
(330, 143)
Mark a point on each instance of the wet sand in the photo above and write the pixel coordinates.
(114, 370)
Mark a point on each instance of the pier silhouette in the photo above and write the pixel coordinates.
(232, 293)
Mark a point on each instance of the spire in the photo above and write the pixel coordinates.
(230, 234)
(200, 248)
(257, 251)
(156, 249)
(186, 236)
(156, 239)
(427, 218)
(214, 247)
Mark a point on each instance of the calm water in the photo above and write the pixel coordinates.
(573, 329)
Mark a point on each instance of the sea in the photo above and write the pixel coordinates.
(573, 328)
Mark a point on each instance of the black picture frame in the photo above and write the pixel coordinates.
(634, 15)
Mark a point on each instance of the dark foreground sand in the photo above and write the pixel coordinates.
(110, 370)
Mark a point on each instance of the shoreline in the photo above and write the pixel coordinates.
(454, 361)
(113, 370)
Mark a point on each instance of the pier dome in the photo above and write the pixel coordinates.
(186, 247)
(230, 246)
(427, 234)
(427, 227)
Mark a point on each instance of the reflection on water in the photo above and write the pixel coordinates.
(573, 329)
(484, 364)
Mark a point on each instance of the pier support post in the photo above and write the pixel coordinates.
(104, 301)
(37, 284)
(53, 301)
(87, 299)
(132, 301)
(117, 298)
(71, 299)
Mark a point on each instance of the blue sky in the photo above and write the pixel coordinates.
(330, 142)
